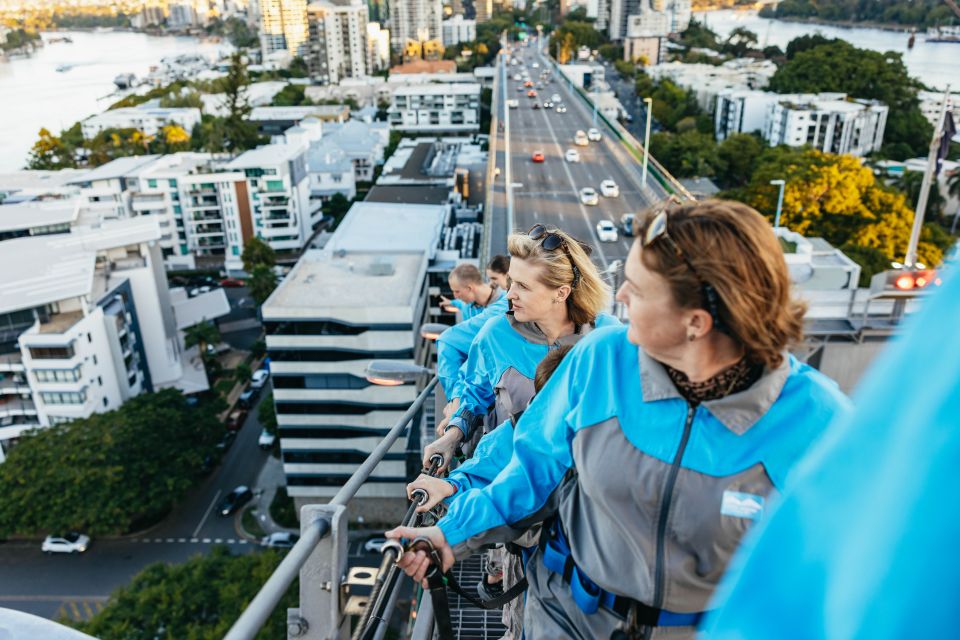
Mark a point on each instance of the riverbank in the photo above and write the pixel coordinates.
(844, 24)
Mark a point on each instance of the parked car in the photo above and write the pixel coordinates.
(572, 155)
(266, 440)
(228, 437)
(594, 135)
(373, 545)
(609, 189)
(538, 156)
(259, 378)
(280, 540)
(607, 231)
(588, 196)
(561, 108)
(196, 291)
(235, 419)
(626, 223)
(232, 502)
(580, 139)
(246, 398)
(232, 282)
(72, 542)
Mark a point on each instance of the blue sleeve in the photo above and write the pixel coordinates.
(542, 454)
(474, 386)
(453, 346)
(492, 453)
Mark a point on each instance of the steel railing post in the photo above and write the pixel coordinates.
(321, 577)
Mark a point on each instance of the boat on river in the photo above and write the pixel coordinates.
(943, 34)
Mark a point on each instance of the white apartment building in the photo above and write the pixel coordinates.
(664, 16)
(417, 20)
(278, 195)
(741, 111)
(86, 322)
(283, 26)
(830, 122)
(148, 118)
(337, 45)
(457, 29)
(362, 297)
(930, 103)
(432, 108)
(378, 48)
(330, 171)
(707, 81)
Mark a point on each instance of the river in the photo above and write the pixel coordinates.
(934, 63)
(33, 94)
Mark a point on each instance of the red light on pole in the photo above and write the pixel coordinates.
(904, 282)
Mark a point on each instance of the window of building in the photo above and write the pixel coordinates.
(53, 353)
(55, 420)
(321, 381)
(57, 375)
(152, 184)
(335, 408)
(63, 397)
(172, 183)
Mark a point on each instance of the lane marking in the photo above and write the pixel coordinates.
(206, 514)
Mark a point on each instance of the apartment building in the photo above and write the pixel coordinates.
(283, 26)
(86, 323)
(457, 29)
(707, 81)
(337, 43)
(830, 122)
(378, 48)
(414, 20)
(148, 118)
(434, 108)
(741, 111)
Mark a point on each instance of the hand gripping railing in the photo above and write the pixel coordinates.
(386, 581)
(255, 615)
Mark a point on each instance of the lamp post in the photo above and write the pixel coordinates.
(392, 373)
(432, 330)
(646, 140)
(776, 220)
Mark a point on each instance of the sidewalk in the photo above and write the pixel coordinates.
(271, 477)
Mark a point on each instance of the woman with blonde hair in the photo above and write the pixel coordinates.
(655, 447)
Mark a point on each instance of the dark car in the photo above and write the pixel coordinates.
(234, 500)
(235, 419)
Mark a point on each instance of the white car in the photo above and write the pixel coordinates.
(72, 542)
(588, 196)
(266, 440)
(572, 155)
(513, 104)
(594, 135)
(535, 65)
(280, 540)
(517, 77)
(607, 231)
(580, 139)
(259, 378)
(555, 97)
(609, 189)
(373, 545)
(561, 108)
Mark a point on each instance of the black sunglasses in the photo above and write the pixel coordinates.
(551, 241)
(657, 230)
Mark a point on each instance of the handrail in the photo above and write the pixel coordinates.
(255, 615)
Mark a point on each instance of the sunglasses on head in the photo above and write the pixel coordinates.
(657, 230)
(551, 241)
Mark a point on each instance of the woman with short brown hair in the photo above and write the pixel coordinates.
(655, 447)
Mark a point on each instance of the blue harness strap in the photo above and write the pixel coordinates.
(590, 597)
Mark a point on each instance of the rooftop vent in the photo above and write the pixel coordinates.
(382, 267)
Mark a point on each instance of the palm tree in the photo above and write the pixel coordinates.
(201, 335)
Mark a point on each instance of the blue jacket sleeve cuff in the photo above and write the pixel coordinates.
(459, 423)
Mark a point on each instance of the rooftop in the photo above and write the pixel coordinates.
(37, 213)
(267, 155)
(456, 88)
(300, 112)
(409, 194)
(425, 66)
(115, 169)
(372, 226)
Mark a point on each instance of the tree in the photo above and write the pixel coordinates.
(740, 41)
(242, 372)
(910, 184)
(688, 154)
(738, 155)
(841, 67)
(110, 473)
(255, 252)
(337, 207)
(238, 133)
(267, 415)
(261, 283)
(292, 95)
(837, 198)
(198, 599)
(201, 335)
(240, 34)
(50, 153)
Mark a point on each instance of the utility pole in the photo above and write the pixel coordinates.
(646, 141)
(911, 258)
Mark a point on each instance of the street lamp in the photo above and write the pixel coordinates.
(432, 330)
(613, 270)
(392, 373)
(646, 141)
(776, 220)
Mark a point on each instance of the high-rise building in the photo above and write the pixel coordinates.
(337, 46)
(416, 20)
(378, 48)
(457, 30)
(670, 16)
(283, 26)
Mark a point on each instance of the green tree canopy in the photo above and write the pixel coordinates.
(261, 283)
(200, 335)
(687, 154)
(860, 73)
(199, 599)
(109, 473)
(257, 252)
(266, 414)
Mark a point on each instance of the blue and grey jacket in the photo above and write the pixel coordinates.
(696, 477)
(453, 345)
(491, 455)
(500, 367)
(469, 310)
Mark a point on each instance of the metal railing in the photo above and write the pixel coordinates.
(255, 615)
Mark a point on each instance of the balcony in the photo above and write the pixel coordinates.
(14, 407)
(60, 322)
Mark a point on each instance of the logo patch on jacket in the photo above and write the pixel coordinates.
(741, 505)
